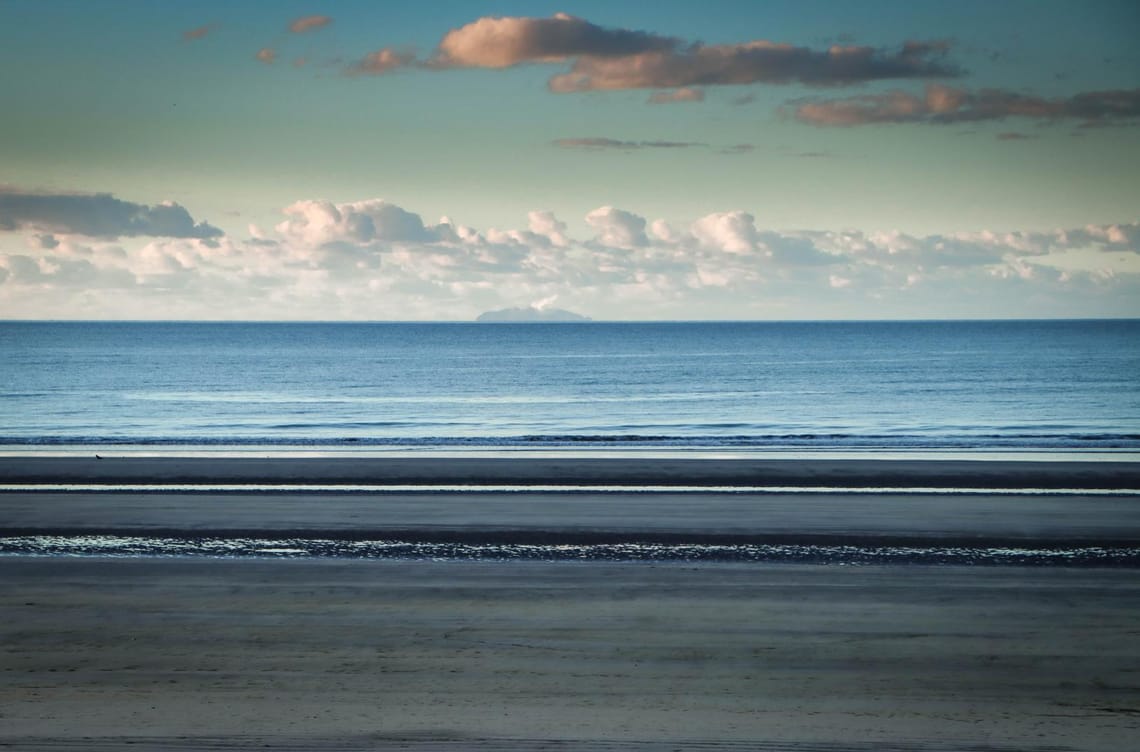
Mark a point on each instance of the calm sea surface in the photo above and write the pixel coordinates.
(807, 386)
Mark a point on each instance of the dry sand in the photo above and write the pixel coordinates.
(334, 654)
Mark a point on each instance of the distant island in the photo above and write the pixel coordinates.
(530, 314)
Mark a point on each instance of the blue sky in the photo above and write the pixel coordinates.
(744, 160)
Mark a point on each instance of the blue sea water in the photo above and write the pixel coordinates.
(1069, 385)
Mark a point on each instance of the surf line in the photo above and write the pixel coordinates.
(388, 488)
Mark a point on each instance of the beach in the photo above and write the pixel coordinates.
(559, 468)
(201, 652)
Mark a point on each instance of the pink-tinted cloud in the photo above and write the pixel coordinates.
(309, 23)
(684, 94)
(191, 35)
(503, 42)
(754, 62)
(944, 105)
(266, 55)
(322, 222)
(728, 232)
(617, 228)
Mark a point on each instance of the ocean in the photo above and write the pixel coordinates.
(963, 386)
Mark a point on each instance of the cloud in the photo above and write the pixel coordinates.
(266, 55)
(508, 41)
(544, 224)
(97, 215)
(684, 94)
(317, 223)
(610, 143)
(381, 61)
(946, 105)
(309, 23)
(730, 232)
(617, 228)
(604, 58)
(191, 35)
(754, 62)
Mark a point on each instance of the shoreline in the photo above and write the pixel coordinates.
(575, 471)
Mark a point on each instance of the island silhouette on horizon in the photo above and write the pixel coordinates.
(530, 314)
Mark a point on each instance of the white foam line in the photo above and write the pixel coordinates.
(516, 488)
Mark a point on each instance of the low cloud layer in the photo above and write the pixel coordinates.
(947, 105)
(374, 259)
(604, 58)
(98, 215)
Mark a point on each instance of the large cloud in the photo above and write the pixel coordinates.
(945, 105)
(505, 42)
(321, 222)
(758, 61)
(97, 215)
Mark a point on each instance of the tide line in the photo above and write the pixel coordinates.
(383, 488)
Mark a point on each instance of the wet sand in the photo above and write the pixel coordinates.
(217, 654)
(427, 470)
(393, 654)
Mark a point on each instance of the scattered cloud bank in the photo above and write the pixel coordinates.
(603, 58)
(95, 256)
(677, 70)
(945, 105)
(97, 215)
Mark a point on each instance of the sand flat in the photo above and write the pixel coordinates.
(212, 654)
(220, 654)
(993, 473)
(861, 518)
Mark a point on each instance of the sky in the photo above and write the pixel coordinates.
(355, 160)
